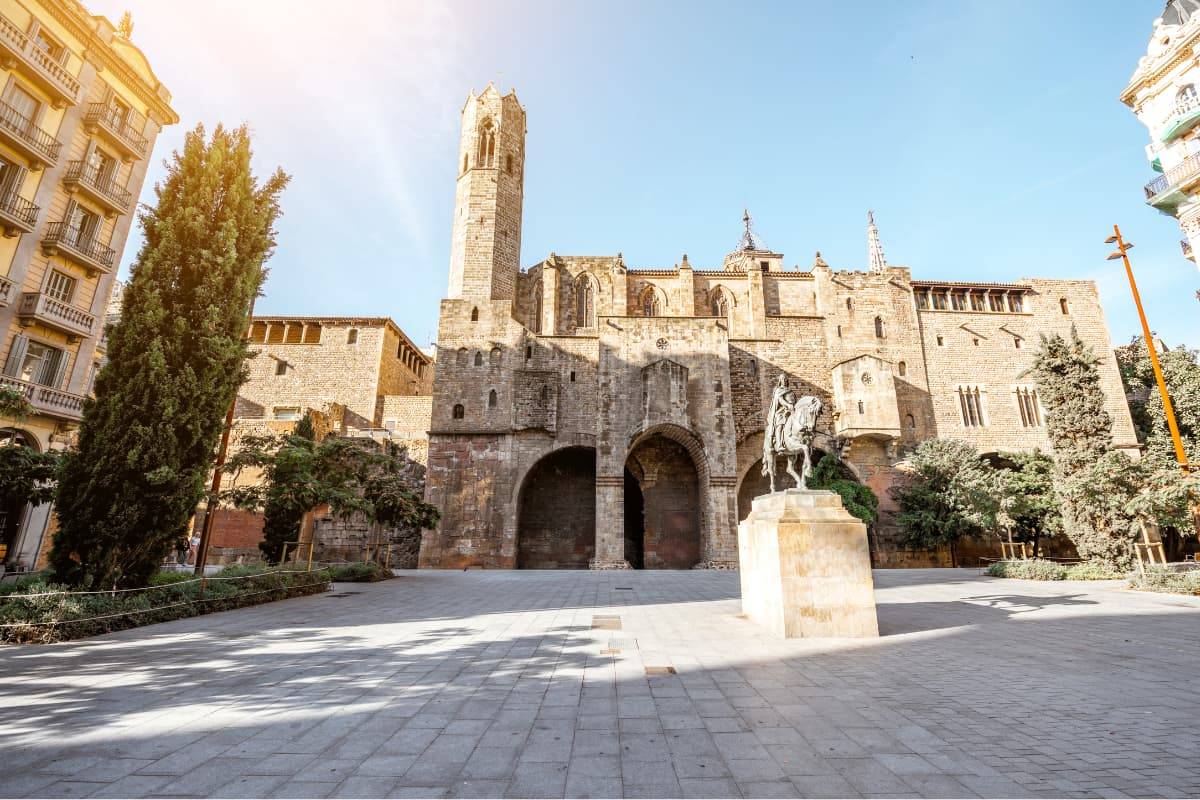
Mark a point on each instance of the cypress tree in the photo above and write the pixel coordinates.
(1095, 483)
(176, 359)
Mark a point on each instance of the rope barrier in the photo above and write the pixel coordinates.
(157, 608)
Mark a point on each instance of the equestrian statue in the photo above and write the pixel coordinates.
(791, 424)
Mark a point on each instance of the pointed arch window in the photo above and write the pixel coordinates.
(478, 358)
(492, 399)
(879, 330)
(585, 304)
(719, 304)
(487, 145)
(536, 327)
(474, 315)
(651, 304)
(459, 411)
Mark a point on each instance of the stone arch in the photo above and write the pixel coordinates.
(587, 290)
(721, 301)
(667, 473)
(556, 510)
(652, 301)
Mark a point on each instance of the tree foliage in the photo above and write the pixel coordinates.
(1096, 485)
(951, 493)
(27, 476)
(1029, 505)
(830, 473)
(176, 358)
(282, 518)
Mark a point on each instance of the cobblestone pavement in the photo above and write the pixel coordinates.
(453, 684)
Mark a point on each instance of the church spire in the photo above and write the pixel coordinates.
(875, 260)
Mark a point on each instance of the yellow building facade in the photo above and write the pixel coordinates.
(80, 110)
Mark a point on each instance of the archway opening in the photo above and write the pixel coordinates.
(556, 523)
(666, 534)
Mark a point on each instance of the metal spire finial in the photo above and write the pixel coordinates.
(875, 260)
(750, 241)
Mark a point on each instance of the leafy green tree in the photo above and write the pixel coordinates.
(1030, 506)
(951, 493)
(830, 473)
(176, 358)
(27, 476)
(1095, 484)
(1181, 372)
(282, 518)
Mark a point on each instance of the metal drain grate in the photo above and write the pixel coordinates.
(660, 671)
(607, 623)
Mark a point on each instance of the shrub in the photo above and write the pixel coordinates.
(42, 611)
(1031, 569)
(1163, 579)
(359, 573)
(1093, 571)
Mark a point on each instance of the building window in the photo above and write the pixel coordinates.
(464, 169)
(352, 336)
(474, 315)
(492, 399)
(1016, 303)
(585, 309)
(312, 333)
(258, 332)
(1064, 306)
(60, 286)
(975, 341)
(970, 401)
(528, 352)
(494, 357)
(287, 413)
(275, 333)
(478, 358)
(461, 358)
(922, 300)
(1027, 404)
(939, 301)
(941, 342)
(572, 376)
(459, 411)
(508, 164)
(849, 304)
(651, 304)
(766, 265)
(910, 422)
(84, 226)
(487, 145)
(861, 410)
(839, 331)
(958, 301)
(902, 368)
(281, 367)
(42, 364)
(295, 333)
(1016, 343)
(25, 104)
(719, 304)
(537, 307)
(50, 45)
(879, 331)
(977, 303)
(996, 302)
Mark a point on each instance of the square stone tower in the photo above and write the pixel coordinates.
(485, 253)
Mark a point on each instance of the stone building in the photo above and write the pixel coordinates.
(356, 376)
(587, 413)
(1164, 93)
(80, 111)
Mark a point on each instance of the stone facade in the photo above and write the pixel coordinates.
(82, 109)
(1164, 93)
(650, 385)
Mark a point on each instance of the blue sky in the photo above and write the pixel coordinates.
(987, 136)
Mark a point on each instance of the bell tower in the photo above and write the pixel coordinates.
(485, 253)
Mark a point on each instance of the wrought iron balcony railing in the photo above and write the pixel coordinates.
(36, 145)
(17, 215)
(61, 237)
(1176, 176)
(105, 117)
(102, 188)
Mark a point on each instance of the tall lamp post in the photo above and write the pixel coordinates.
(1122, 252)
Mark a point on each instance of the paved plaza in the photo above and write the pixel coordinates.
(635, 684)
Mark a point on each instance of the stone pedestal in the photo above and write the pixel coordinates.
(806, 567)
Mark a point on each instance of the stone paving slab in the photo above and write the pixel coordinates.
(497, 684)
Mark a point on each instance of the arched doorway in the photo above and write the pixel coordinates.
(12, 516)
(755, 484)
(662, 478)
(556, 522)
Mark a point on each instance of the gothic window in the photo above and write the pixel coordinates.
(651, 305)
(910, 422)
(719, 303)
(1027, 404)
(352, 336)
(494, 358)
(459, 411)
(970, 403)
(902, 368)
(492, 399)
(585, 310)
(474, 315)
(487, 145)
(478, 358)
(537, 307)
(879, 332)
(461, 358)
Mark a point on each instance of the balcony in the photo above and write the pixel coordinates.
(1168, 190)
(17, 48)
(106, 119)
(1186, 247)
(46, 400)
(6, 288)
(102, 189)
(70, 242)
(17, 215)
(1187, 116)
(42, 308)
(39, 148)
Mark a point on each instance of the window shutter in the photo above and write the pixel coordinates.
(61, 361)
(16, 355)
(14, 176)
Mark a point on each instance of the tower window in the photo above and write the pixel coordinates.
(1016, 303)
(958, 301)
(508, 164)
(474, 315)
(460, 358)
(922, 300)
(492, 399)
(459, 411)
(839, 331)
(902, 368)
(478, 358)
(352, 336)
(879, 331)
(975, 342)
(976, 301)
(970, 403)
(487, 145)
(996, 302)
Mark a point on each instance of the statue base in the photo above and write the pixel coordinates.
(806, 567)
